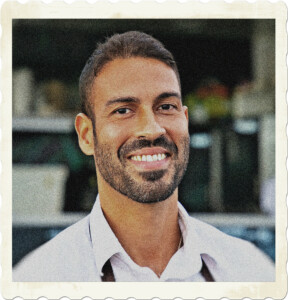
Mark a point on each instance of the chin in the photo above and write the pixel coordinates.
(153, 175)
(148, 194)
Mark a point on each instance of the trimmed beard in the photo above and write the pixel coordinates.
(153, 188)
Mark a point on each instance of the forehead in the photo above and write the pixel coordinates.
(134, 76)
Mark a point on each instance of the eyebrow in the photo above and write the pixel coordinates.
(122, 100)
(168, 95)
(136, 100)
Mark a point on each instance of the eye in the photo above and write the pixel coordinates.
(167, 107)
(122, 111)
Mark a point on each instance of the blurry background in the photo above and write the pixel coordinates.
(227, 69)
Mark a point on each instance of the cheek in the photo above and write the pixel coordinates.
(111, 135)
(178, 129)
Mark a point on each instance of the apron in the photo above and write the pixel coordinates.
(108, 274)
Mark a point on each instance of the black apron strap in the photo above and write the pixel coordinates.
(206, 273)
(108, 274)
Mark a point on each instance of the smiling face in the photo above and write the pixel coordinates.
(141, 141)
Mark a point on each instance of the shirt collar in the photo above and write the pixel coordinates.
(187, 260)
(198, 246)
(184, 263)
(201, 240)
(194, 237)
(105, 243)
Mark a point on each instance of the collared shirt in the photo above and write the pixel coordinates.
(79, 253)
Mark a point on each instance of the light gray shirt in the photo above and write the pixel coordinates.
(79, 253)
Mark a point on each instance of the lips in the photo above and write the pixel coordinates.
(149, 158)
(155, 158)
(149, 154)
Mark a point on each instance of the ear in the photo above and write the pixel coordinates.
(185, 108)
(84, 128)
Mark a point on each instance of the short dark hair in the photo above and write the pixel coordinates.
(125, 45)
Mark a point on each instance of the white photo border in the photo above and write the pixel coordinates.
(147, 9)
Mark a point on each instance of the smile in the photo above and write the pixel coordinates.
(149, 158)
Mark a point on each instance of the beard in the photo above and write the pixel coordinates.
(152, 186)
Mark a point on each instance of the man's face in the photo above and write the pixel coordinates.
(141, 139)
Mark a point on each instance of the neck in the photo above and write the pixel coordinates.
(142, 227)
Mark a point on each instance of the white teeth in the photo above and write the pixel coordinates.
(149, 158)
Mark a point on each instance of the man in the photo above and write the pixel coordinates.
(134, 124)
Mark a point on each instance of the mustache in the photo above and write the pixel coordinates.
(162, 141)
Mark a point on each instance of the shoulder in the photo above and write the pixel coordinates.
(60, 259)
(237, 259)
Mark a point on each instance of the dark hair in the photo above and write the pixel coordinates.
(125, 45)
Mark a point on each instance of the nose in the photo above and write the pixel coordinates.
(148, 126)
